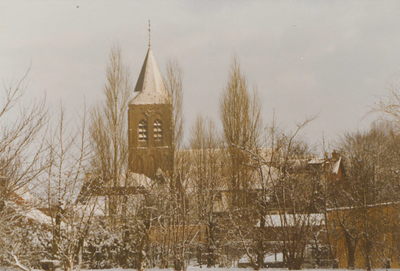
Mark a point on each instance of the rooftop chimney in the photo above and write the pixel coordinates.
(335, 155)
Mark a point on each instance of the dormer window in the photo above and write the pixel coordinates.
(143, 130)
(157, 130)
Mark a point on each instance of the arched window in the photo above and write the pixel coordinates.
(157, 130)
(142, 130)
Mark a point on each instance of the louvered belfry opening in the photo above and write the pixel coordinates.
(143, 130)
(157, 130)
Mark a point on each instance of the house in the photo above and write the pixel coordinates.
(366, 233)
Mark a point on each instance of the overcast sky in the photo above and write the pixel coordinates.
(331, 58)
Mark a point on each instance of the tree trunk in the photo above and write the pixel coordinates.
(298, 264)
(260, 244)
(57, 234)
(179, 265)
(142, 255)
(260, 260)
(210, 247)
(351, 250)
(368, 248)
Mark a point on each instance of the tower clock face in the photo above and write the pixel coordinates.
(149, 112)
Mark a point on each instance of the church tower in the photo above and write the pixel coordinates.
(149, 122)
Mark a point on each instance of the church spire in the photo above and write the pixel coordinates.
(150, 83)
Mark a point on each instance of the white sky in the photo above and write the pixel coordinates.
(332, 58)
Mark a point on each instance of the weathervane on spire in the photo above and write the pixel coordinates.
(149, 35)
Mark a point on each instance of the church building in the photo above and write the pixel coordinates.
(149, 123)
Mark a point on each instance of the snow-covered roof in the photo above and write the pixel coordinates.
(269, 258)
(316, 161)
(292, 219)
(30, 213)
(150, 84)
(24, 195)
(380, 204)
(95, 207)
(140, 180)
(132, 179)
(270, 174)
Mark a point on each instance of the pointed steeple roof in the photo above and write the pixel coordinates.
(150, 84)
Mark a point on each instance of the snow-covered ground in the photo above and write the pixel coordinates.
(197, 268)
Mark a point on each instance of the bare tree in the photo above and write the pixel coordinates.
(179, 228)
(389, 106)
(22, 160)
(206, 160)
(21, 139)
(296, 221)
(278, 212)
(242, 125)
(173, 83)
(108, 126)
(68, 152)
(240, 112)
(175, 224)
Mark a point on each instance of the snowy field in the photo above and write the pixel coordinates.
(196, 268)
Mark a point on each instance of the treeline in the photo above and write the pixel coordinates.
(245, 192)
